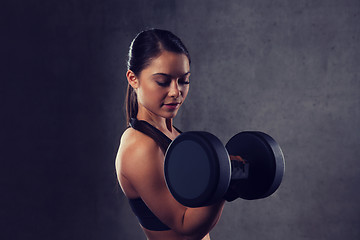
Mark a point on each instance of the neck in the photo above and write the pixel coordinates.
(163, 124)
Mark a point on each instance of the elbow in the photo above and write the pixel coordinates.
(194, 224)
(189, 232)
(193, 235)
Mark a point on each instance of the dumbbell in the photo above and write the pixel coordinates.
(199, 170)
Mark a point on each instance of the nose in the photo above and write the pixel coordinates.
(174, 91)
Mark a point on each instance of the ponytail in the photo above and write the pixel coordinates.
(131, 104)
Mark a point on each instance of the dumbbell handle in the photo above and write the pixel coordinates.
(239, 171)
(239, 168)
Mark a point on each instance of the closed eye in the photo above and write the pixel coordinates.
(185, 79)
(164, 80)
(166, 84)
(184, 82)
(163, 84)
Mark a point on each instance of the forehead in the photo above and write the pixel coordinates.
(174, 64)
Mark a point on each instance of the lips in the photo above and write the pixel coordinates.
(172, 105)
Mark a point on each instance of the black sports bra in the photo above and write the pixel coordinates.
(146, 217)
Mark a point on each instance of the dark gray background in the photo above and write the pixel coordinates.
(288, 68)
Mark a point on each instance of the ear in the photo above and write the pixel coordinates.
(132, 79)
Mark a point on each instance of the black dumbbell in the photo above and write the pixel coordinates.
(200, 170)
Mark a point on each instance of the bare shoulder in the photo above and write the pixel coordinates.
(137, 153)
(136, 143)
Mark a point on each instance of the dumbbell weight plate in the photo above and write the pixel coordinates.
(197, 169)
(266, 164)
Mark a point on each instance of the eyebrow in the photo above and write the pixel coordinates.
(168, 75)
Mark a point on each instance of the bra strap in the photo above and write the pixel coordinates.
(159, 137)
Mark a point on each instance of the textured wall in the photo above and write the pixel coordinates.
(288, 68)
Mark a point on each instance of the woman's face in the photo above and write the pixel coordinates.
(163, 85)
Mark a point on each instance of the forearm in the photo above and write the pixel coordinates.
(198, 222)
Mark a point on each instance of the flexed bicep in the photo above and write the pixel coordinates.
(143, 169)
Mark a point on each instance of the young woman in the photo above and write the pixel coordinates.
(158, 83)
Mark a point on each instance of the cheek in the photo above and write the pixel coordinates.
(150, 95)
(185, 92)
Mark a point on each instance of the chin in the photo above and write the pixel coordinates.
(170, 115)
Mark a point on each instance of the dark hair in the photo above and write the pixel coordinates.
(146, 46)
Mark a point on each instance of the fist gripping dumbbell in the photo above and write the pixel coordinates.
(200, 170)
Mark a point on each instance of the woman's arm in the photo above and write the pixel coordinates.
(141, 162)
